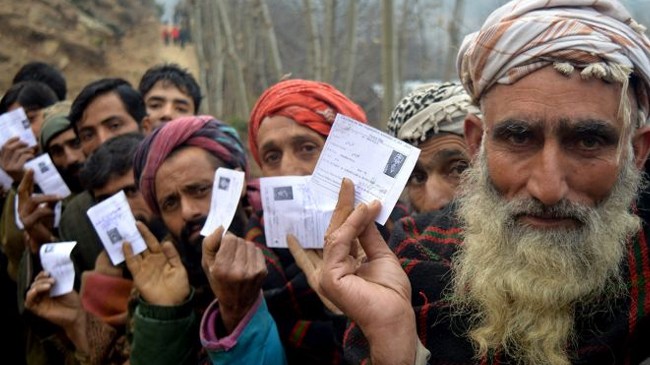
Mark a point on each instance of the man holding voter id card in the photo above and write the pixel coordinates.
(288, 129)
(175, 168)
(551, 257)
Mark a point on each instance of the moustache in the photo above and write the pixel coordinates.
(192, 226)
(564, 209)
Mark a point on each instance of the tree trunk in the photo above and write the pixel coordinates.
(454, 38)
(243, 107)
(199, 43)
(388, 62)
(402, 45)
(216, 59)
(352, 45)
(276, 61)
(315, 62)
(329, 41)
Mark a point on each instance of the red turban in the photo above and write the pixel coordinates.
(310, 103)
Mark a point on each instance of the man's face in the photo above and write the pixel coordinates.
(546, 211)
(183, 193)
(167, 102)
(137, 204)
(287, 148)
(104, 118)
(436, 175)
(35, 117)
(551, 138)
(67, 156)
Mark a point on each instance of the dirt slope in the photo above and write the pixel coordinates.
(86, 39)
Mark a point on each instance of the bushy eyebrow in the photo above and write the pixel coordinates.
(448, 153)
(515, 126)
(565, 127)
(588, 126)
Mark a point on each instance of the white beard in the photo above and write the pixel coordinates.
(521, 284)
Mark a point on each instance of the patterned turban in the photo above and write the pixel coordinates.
(310, 103)
(200, 131)
(598, 37)
(429, 110)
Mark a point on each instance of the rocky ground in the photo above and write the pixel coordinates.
(86, 39)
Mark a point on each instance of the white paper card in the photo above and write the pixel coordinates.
(16, 124)
(378, 164)
(226, 194)
(5, 179)
(290, 207)
(114, 223)
(47, 176)
(55, 259)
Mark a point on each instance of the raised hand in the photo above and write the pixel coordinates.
(376, 294)
(62, 310)
(236, 270)
(158, 273)
(36, 213)
(13, 155)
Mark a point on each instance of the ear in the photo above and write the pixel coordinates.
(147, 125)
(473, 133)
(641, 145)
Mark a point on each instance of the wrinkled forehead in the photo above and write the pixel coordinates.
(547, 95)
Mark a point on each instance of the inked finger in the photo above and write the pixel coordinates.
(299, 254)
(370, 239)
(26, 186)
(344, 205)
(338, 244)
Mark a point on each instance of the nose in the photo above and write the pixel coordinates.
(439, 192)
(103, 135)
(547, 181)
(292, 165)
(167, 112)
(190, 209)
(72, 156)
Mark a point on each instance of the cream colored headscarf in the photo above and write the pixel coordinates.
(429, 110)
(599, 37)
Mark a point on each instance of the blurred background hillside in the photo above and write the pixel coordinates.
(86, 39)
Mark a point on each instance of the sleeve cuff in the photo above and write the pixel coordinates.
(208, 331)
(165, 313)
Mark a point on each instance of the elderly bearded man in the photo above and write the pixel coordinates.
(551, 266)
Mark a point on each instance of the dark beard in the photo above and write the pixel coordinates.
(191, 252)
(71, 177)
(156, 226)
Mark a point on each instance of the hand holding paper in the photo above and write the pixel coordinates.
(55, 259)
(291, 208)
(47, 176)
(378, 164)
(226, 194)
(114, 223)
(16, 124)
